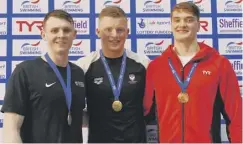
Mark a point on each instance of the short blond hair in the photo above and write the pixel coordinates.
(112, 11)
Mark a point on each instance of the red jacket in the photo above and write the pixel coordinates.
(213, 89)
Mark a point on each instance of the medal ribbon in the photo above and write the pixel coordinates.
(115, 89)
(66, 88)
(183, 85)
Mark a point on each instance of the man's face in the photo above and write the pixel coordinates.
(184, 25)
(113, 33)
(59, 34)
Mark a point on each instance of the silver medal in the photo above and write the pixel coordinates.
(69, 119)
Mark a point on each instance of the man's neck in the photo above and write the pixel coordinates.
(58, 59)
(186, 48)
(112, 54)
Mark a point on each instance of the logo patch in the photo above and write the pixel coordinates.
(49, 85)
(205, 72)
(79, 83)
(98, 81)
(132, 78)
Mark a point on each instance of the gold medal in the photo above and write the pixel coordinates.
(117, 106)
(183, 97)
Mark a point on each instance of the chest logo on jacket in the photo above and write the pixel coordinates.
(49, 85)
(98, 81)
(205, 72)
(132, 79)
(79, 83)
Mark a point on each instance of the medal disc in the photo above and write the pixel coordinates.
(69, 119)
(183, 97)
(117, 105)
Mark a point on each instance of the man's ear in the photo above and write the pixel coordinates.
(98, 32)
(75, 34)
(43, 35)
(199, 26)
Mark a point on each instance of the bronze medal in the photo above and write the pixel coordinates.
(117, 106)
(183, 97)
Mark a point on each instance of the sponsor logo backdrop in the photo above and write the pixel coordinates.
(150, 32)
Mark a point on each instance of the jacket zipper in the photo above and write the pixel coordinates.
(183, 126)
(183, 106)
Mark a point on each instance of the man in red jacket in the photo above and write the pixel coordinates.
(193, 85)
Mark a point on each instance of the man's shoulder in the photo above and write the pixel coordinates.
(160, 60)
(223, 61)
(27, 64)
(27, 70)
(76, 68)
(142, 59)
(86, 61)
(90, 57)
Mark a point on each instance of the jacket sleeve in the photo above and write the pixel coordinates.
(149, 90)
(230, 93)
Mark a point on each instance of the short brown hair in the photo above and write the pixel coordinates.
(187, 6)
(112, 11)
(58, 14)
